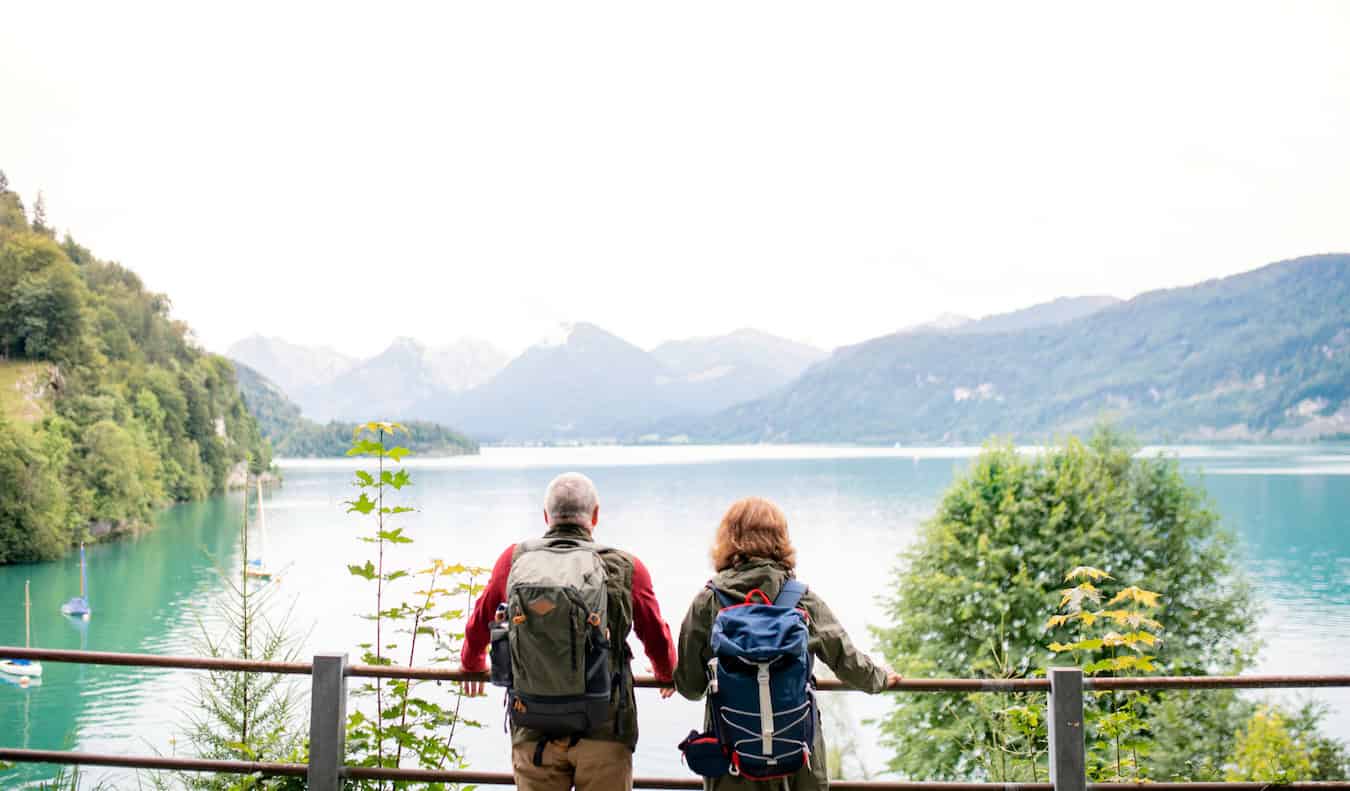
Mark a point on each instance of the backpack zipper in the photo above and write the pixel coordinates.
(572, 623)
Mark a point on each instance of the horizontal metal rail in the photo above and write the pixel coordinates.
(329, 674)
(506, 779)
(155, 660)
(153, 762)
(904, 685)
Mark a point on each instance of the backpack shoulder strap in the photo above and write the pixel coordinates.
(790, 595)
(724, 599)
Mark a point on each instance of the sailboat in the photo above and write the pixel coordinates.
(79, 606)
(257, 568)
(25, 669)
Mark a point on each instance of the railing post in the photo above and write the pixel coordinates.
(327, 722)
(1064, 720)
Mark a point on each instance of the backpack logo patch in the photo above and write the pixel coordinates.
(542, 607)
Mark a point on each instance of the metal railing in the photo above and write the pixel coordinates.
(325, 770)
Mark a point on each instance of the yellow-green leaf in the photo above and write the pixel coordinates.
(1088, 572)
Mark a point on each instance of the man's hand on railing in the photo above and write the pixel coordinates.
(473, 689)
(893, 680)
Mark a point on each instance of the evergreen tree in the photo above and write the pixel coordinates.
(244, 716)
(40, 215)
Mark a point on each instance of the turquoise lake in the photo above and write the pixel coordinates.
(851, 511)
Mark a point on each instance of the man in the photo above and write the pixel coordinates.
(602, 758)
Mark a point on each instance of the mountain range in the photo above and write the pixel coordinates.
(327, 385)
(294, 436)
(586, 384)
(1260, 355)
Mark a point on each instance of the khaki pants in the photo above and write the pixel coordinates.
(590, 765)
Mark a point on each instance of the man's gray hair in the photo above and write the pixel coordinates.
(571, 498)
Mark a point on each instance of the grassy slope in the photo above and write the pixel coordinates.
(18, 383)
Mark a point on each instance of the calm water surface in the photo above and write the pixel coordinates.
(851, 511)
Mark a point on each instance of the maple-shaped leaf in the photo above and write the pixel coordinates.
(1136, 639)
(1073, 598)
(1113, 639)
(1136, 595)
(1088, 572)
(1135, 620)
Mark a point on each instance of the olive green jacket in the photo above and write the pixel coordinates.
(829, 643)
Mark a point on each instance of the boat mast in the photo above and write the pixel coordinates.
(262, 525)
(27, 617)
(82, 593)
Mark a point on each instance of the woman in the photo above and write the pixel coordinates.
(752, 551)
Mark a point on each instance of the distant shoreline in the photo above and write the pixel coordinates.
(1248, 458)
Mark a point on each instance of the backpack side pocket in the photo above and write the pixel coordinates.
(500, 633)
(705, 755)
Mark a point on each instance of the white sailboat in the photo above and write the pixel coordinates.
(79, 605)
(257, 568)
(24, 669)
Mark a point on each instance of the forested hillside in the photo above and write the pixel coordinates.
(109, 411)
(292, 435)
(1261, 355)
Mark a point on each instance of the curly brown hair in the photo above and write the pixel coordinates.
(753, 527)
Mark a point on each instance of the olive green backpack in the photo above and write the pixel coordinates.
(556, 625)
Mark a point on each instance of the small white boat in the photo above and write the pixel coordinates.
(24, 669)
(78, 607)
(257, 568)
(23, 682)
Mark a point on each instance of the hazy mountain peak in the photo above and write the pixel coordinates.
(558, 336)
(940, 323)
(291, 366)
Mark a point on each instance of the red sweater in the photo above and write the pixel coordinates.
(651, 628)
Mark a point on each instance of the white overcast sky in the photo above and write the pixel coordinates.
(342, 174)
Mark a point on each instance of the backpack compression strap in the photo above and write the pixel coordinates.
(790, 595)
(724, 599)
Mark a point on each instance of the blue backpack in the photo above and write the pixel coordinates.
(760, 685)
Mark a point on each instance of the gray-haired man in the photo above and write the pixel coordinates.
(602, 758)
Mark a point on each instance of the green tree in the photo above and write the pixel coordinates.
(1269, 751)
(244, 716)
(1279, 745)
(45, 314)
(971, 596)
(111, 465)
(40, 215)
(33, 505)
